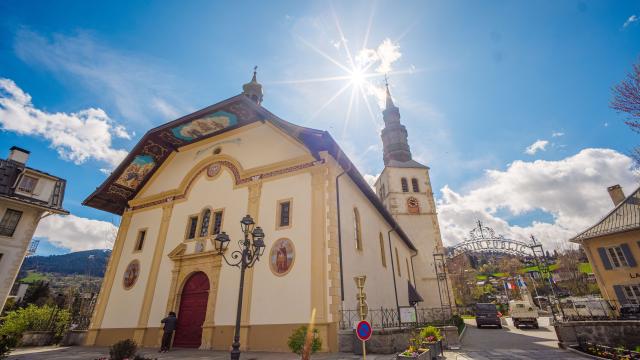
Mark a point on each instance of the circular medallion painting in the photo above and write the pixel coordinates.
(281, 257)
(131, 274)
(213, 170)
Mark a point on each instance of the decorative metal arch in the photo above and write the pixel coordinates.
(483, 239)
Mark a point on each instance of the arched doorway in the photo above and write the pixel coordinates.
(193, 307)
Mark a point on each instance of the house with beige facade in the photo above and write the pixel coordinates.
(26, 196)
(612, 246)
(192, 178)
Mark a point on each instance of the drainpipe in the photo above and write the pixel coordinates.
(340, 231)
(413, 273)
(393, 272)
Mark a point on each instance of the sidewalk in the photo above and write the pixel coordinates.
(91, 353)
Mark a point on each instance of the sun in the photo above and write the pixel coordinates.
(358, 77)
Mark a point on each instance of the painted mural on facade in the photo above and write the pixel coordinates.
(135, 173)
(281, 256)
(205, 125)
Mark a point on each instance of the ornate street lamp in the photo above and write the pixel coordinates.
(249, 253)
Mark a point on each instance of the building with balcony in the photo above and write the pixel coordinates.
(26, 196)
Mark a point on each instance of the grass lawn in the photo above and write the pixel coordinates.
(33, 276)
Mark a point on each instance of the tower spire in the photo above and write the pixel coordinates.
(394, 135)
(253, 89)
(389, 100)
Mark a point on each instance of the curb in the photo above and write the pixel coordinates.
(588, 356)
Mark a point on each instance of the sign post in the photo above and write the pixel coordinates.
(363, 330)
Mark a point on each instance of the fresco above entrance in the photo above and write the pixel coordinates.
(135, 173)
(205, 125)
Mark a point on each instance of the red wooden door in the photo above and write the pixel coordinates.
(193, 307)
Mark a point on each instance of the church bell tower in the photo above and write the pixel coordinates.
(405, 189)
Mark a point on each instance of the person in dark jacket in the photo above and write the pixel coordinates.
(170, 323)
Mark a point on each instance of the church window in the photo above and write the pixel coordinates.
(405, 185)
(398, 263)
(9, 222)
(283, 217)
(408, 272)
(357, 229)
(414, 184)
(27, 184)
(142, 234)
(192, 225)
(382, 190)
(382, 253)
(217, 222)
(413, 205)
(206, 219)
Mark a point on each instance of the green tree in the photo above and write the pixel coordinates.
(34, 318)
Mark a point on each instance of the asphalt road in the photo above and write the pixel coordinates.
(511, 343)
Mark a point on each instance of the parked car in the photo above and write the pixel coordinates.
(630, 312)
(487, 314)
(523, 313)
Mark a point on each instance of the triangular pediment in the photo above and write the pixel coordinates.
(157, 144)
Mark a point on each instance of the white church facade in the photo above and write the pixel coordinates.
(189, 179)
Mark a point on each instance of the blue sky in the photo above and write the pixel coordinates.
(476, 83)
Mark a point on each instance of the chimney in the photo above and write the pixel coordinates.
(617, 196)
(19, 155)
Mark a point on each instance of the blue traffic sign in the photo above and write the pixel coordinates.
(363, 330)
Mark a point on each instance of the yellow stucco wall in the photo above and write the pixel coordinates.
(368, 261)
(124, 309)
(617, 276)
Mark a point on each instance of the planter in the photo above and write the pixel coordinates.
(74, 337)
(435, 349)
(37, 338)
(424, 356)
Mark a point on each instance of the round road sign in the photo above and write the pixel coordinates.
(363, 330)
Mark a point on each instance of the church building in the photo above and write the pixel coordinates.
(192, 178)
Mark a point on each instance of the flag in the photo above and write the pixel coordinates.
(521, 282)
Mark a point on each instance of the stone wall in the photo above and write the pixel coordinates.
(610, 333)
(390, 341)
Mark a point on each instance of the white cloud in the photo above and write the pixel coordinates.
(138, 87)
(371, 179)
(77, 233)
(571, 190)
(539, 145)
(76, 136)
(382, 57)
(630, 20)
(557, 134)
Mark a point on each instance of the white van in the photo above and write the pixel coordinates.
(523, 313)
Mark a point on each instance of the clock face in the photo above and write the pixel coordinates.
(413, 202)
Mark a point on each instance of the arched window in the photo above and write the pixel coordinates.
(408, 272)
(414, 184)
(382, 253)
(206, 219)
(405, 185)
(357, 229)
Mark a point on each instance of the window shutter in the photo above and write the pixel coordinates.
(622, 299)
(605, 258)
(628, 255)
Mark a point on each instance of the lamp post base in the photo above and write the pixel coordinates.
(235, 352)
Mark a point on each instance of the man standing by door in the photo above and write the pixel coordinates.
(169, 327)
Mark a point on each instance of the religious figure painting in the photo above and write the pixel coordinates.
(205, 125)
(281, 256)
(131, 274)
(135, 173)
